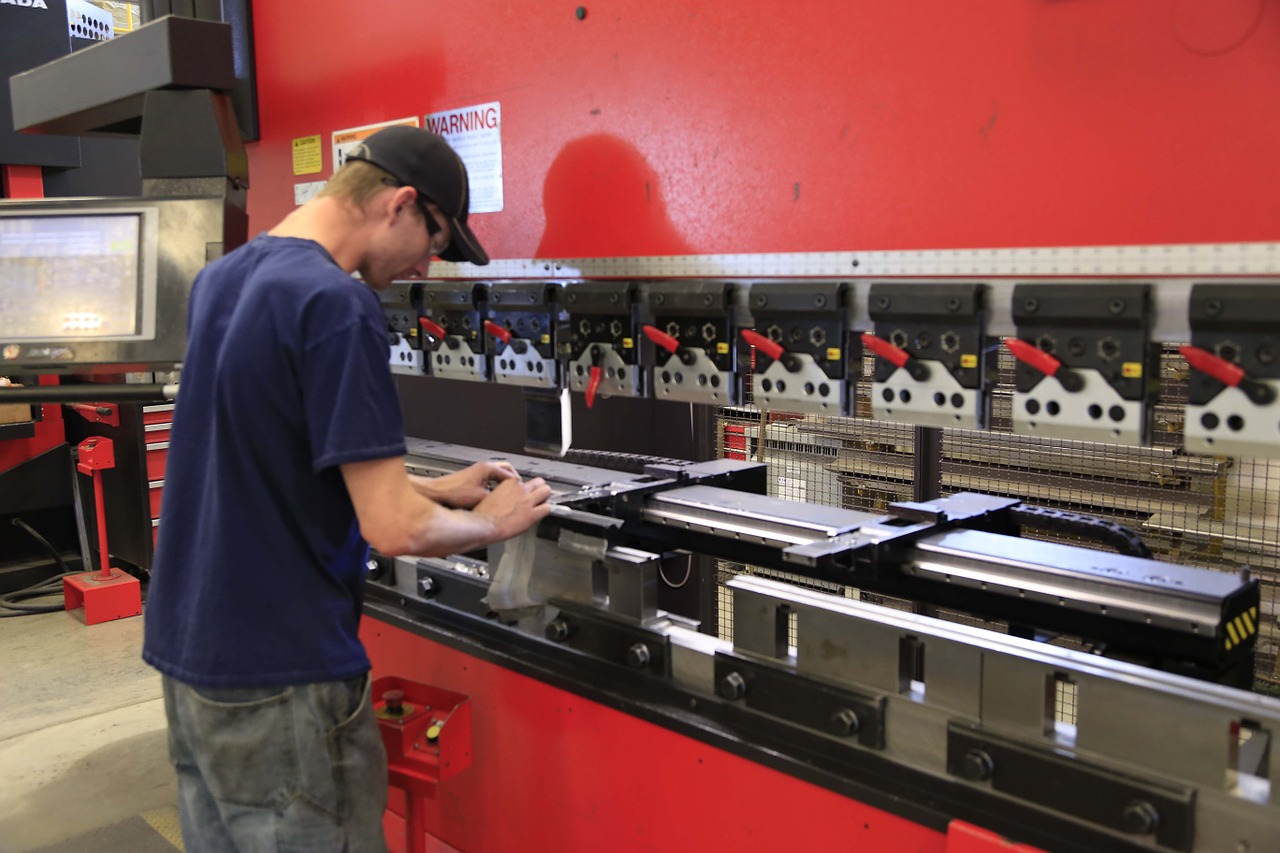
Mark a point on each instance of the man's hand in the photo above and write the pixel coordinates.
(466, 488)
(515, 506)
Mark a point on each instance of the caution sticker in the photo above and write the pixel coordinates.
(969, 359)
(1131, 370)
(722, 348)
(833, 353)
(628, 343)
(546, 339)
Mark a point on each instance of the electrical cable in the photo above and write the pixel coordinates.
(688, 570)
(9, 605)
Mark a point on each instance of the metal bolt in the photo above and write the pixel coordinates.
(495, 298)
(708, 299)
(1213, 307)
(638, 656)
(613, 299)
(977, 766)
(1031, 305)
(573, 297)
(761, 301)
(819, 301)
(427, 586)
(953, 304)
(1116, 306)
(883, 302)
(732, 687)
(844, 722)
(558, 631)
(1266, 355)
(659, 298)
(1139, 818)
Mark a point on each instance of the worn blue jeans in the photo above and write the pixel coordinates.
(278, 769)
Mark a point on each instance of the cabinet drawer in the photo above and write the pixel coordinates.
(155, 488)
(156, 433)
(161, 413)
(157, 456)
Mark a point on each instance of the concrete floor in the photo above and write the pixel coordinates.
(83, 756)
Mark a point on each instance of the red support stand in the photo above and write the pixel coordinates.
(427, 733)
(108, 593)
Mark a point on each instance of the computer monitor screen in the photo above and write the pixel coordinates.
(71, 277)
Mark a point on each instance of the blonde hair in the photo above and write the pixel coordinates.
(357, 181)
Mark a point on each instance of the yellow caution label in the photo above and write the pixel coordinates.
(722, 348)
(969, 360)
(833, 353)
(1248, 623)
(628, 343)
(546, 339)
(1131, 370)
(1231, 631)
(306, 155)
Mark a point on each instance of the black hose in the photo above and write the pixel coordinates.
(50, 586)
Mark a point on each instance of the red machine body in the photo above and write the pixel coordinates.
(555, 771)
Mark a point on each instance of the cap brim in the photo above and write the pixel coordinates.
(464, 246)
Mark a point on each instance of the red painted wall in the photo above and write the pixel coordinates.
(701, 127)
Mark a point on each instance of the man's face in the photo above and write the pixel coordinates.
(405, 247)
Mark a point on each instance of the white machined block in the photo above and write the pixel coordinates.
(1096, 412)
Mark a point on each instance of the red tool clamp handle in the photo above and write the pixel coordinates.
(1033, 356)
(592, 384)
(895, 355)
(1217, 367)
(773, 349)
(432, 328)
(661, 338)
(502, 334)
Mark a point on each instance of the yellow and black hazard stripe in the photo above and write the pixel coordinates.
(1241, 628)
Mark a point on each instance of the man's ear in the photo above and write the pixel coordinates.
(399, 202)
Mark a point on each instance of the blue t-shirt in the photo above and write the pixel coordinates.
(259, 570)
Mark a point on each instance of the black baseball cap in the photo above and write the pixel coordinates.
(420, 159)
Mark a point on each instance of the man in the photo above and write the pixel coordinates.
(286, 458)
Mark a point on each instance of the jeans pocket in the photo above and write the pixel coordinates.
(246, 752)
(357, 700)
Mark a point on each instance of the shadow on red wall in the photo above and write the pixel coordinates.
(602, 199)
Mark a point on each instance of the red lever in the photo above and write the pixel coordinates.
(592, 384)
(1219, 368)
(661, 338)
(1033, 355)
(1048, 365)
(433, 329)
(499, 332)
(104, 413)
(894, 354)
(773, 349)
(1227, 373)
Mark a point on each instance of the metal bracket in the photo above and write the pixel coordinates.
(804, 388)
(698, 380)
(528, 369)
(602, 636)
(618, 379)
(454, 359)
(783, 694)
(1095, 412)
(1121, 803)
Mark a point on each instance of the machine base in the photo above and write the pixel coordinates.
(103, 599)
